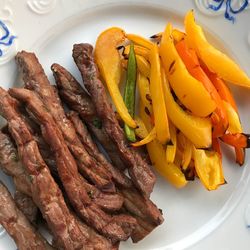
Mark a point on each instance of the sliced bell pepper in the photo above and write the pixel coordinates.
(139, 40)
(156, 90)
(240, 155)
(156, 151)
(109, 63)
(140, 130)
(216, 146)
(178, 35)
(214, 59)
(221, 87)
(191, 92)
(139, 50)
(191, 61)
(150, 137)
(237, 140)
(197, 130)
(171, 149)
(208, 167)
(129, 92)
(143, 65)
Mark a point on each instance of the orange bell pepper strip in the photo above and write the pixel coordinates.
(237, 140)
(208, 167)
(214, 59)
(191, 61)
(156, 151)
(108, 61)
(158, 101)
(221, 87)
(216, 146)
(191, 92)
(139, 40)
(240, 155)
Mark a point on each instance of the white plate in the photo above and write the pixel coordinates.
(51, 27)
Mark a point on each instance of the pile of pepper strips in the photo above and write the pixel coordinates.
(186, 110)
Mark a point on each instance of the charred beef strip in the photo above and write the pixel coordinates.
(119, 177)
(139, 169)
(117, 227)
(12, 166)
(77, 99)
(17, 225)
(143, 209)
(35, 79)
(44, 190)
(27, 206)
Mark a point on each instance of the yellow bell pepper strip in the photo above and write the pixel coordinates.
(214, 59)
(176, 34)
(171, 149)
(208, 167)
(156, 152)
(140, 130)
(221, 87)
(150, 137)
(143, 65)
(139, 50)
(156, 90)
(129, 92)
(233, 119)
(139, 40)
(109, 63)
(197, 130)
(191, 92)
(145, 95)
(187, 150)
(219, 116)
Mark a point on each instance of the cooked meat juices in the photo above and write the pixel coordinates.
(117, 227)
(139, 169)
(77, 99)
(45, 191)
(144, 210)
(35, 79)
(17, 225)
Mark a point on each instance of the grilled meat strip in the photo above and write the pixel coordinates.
(139, 170)
(35, 79)
(77, 99)
(17, 225)
(144, 210)
(117, 227)
(118, 177)
(44, 190)
(12, 166)
(27, 206)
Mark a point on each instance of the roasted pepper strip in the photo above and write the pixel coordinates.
(191, 61)
(208, 167)
(143, 65)
(240, 155)
(171, 149)
(189, 90)
(140, 130)
(237, 140)
(215, 60)
(129, 93)
(139, 50)
(139, 40)
(177, 35)
(109, 63)
(216, 146)
(150, 137)
(156, 90)
(156, 152)
(197, 130)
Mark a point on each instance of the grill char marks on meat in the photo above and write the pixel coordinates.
(119, 178)
(45, 192)
(35, 79)
(139, 169)
(147, 214)
(117, 227)
(17, 225)
(78, 100)
(27, 206)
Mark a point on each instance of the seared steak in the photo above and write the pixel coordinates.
(139, 169)
(77, 99)
(16, 224)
